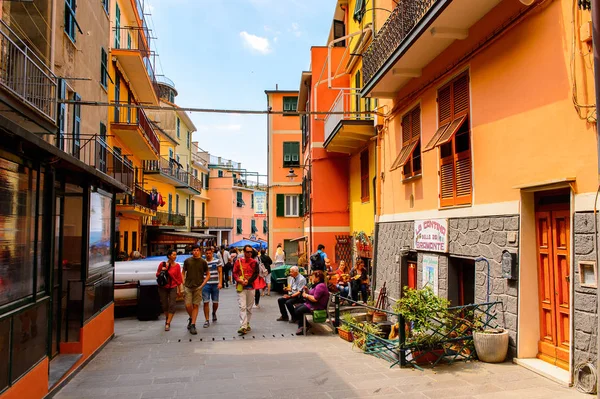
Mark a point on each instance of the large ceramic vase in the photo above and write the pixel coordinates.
(491, 347)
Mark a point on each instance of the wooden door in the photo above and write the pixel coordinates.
(553, 248)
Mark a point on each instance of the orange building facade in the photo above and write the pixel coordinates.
(285, 216)
(488, 161)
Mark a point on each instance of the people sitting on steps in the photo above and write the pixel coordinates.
(293, 297)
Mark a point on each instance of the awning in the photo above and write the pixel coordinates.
(178, 237)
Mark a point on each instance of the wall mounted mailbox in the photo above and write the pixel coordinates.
(509, 265)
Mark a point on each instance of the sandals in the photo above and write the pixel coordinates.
(167, 326)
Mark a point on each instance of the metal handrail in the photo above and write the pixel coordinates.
(127, 115)
(26, 76)
(168, 167)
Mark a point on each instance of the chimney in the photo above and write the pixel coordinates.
(276, 86)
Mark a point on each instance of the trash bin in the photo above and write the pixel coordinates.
(148, 301)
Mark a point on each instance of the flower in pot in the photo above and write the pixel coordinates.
(345, 330)
(491, 344)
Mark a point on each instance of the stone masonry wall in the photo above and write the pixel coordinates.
(488, 237)
(584, 302)
(391, 238)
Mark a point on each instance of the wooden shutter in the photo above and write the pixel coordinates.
(280, 205)
(447, 181)
(287, 156)
(444, 105)
(252, 200)
(411, 133)
(253, 226)
(463, 178)
(265, 227)
(295, 152)
(239, 226)
(460, 95)
(301, 205)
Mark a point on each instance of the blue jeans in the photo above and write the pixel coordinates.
(344, 290)
(210, 291)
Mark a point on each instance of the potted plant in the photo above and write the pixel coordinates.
(491, 344)
(363, 336)
(345, 330)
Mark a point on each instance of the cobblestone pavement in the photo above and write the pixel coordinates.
(143, 361)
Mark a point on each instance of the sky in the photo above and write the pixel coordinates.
(224, 54)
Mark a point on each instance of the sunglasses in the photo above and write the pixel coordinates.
(248, 252)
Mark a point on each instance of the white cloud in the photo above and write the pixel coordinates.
(230, 127)
(295, 29)
(256, 43)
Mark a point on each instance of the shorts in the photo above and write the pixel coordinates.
(210, 291)
(192, 296)
(268, 279)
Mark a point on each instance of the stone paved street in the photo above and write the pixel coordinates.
(143, 361)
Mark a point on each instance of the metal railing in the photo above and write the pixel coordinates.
(136, 39)
(125, 115)
(167, 167)
(139, 197)
(93, 151)
(195, 183)
(214, 160)
(402, 20)
(25, 75)
(169, 219)
(213, 223)
(164, 80)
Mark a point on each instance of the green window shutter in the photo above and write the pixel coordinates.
(265, 227)
(280, 205)
(254, 229)
(240, 199)
(206, 179)
(359, 10)
(178, 128)
(301, 205)
(252, 200)
(295, 152)
(239, 226)
(287, 156)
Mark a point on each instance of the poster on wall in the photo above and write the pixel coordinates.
(431, 235)
(260, 204)
(430, 272)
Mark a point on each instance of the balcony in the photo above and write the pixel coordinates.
(138, 203)
(167, 171)
(93, 151)
(132, 127)
(169, 219)
(193, 185)
(347, 133)
(132, 51)
(212, 223)
(25, 76)
(416, 32)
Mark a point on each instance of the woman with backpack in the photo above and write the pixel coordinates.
(170, 281)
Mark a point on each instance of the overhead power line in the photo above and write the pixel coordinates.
(213, 110)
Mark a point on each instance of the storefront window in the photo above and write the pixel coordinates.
(100, 224)
(17, 199)
(98, 294)
(41, 254)
(4, 351)
(29, 339)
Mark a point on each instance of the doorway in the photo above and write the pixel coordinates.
(461, 281)
(552, 217)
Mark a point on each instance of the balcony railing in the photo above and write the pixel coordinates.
(136, 39)
(125, 115)
(214, 160)
(26, 76)
(93, 151)
(139, 197)
(167, 167)
(195, 183)
(169, 219)
(403, 19)
(213, 223)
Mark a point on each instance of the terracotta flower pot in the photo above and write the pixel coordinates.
(491, 347)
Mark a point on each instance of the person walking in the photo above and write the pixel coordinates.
(259, 283)
(279, 256)
(228, 268)
(225, 258)
(168, 293)
(316, 299)
(215, 283)
(267, 261)
(245, 272)
(196, 276)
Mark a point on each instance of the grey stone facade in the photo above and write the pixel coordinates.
(584, 313)
(467, 237)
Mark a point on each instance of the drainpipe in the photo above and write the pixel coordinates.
(596, 43)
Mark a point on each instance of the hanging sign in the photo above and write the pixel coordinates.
(431, 235)
(430, 272)
(260, 204)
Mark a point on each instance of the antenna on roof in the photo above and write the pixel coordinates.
(276, 86)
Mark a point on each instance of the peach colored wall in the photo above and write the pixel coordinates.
(282, 128)
(514, 110)
(246, 214)
(221, 196)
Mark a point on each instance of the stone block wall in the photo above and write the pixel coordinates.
(391, 239)
(584, 313)
(488, 237)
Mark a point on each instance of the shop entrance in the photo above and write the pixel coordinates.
(552, 216)
(461, 281)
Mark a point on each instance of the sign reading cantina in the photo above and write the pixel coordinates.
(431, 235)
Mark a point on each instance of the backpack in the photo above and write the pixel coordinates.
(262, 271)
(317, 262)
(163, 277)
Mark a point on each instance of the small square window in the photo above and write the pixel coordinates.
(587, 274)
(290, 104)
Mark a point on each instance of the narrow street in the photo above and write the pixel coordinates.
(143, 361)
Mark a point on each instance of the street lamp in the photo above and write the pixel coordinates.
(291, 175)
